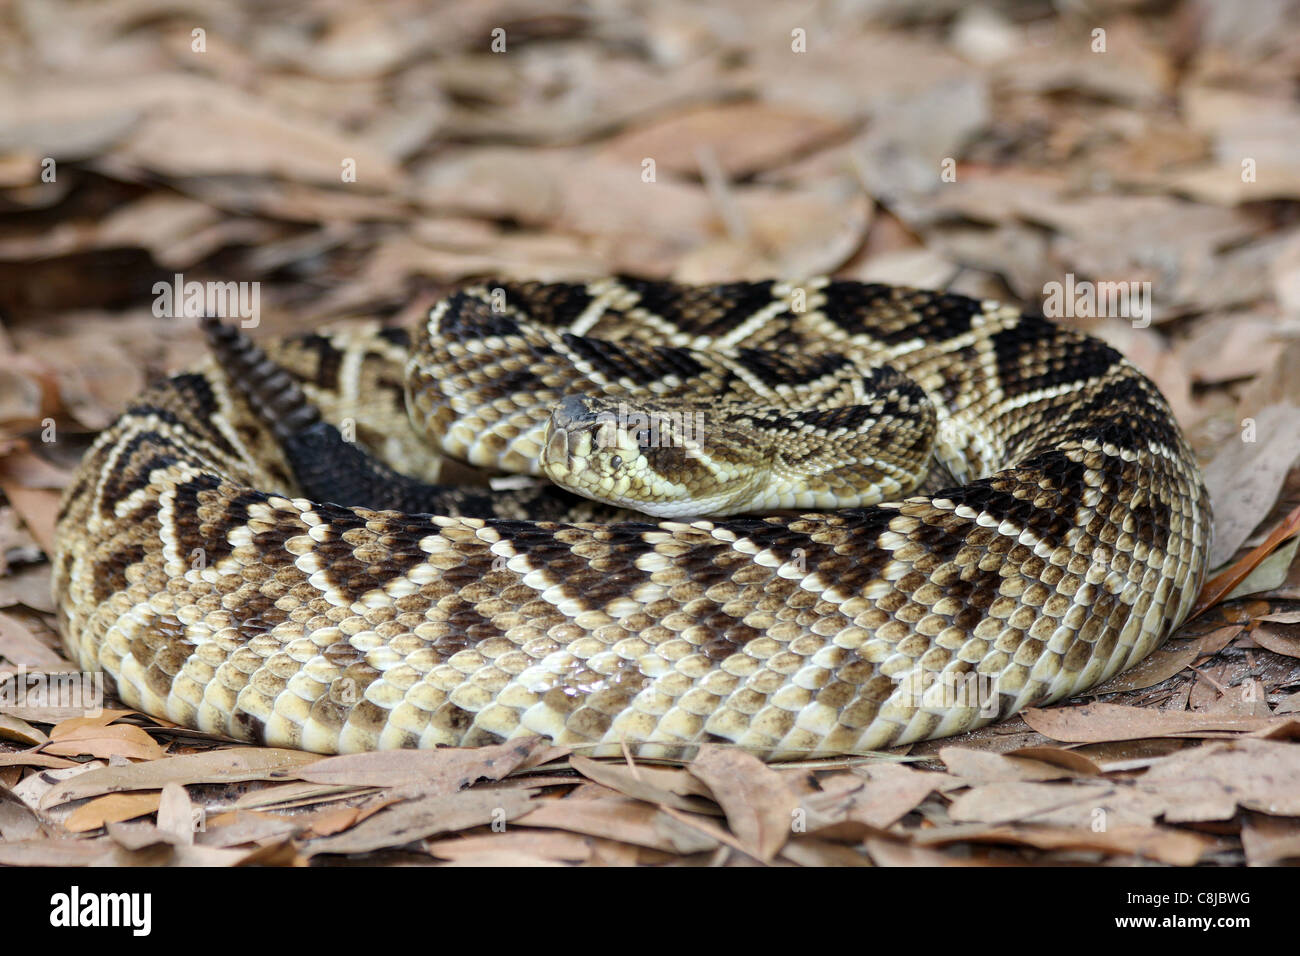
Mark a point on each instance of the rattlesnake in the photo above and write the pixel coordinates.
(1062, 533)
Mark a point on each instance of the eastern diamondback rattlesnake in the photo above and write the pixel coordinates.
(1064, 535)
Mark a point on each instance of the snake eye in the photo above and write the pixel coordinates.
(616, 462)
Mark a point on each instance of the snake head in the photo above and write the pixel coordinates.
(651, 456)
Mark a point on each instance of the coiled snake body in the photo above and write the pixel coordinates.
(1064, 533)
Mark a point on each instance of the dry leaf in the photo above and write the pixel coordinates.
(1094, 723)
(633, 782)
(1055, 756)
(33, 758)
(979, 766)
(744, 137)
(1270, 840)
(1272, 571)
(1017, 800)
(501, 848)
(122, 739)
(1226, 581)
(230, 765)
(856, 807)
(895, 853)
(423, 817)
(244, 827)
(1278, 639)
(1209, 782)
(23, 648)
(112, 808)
(28, 586)
(1165, 845)
(1156, 667)
(758, 801)
(809, 851)
(623, 820)
(1246, 474)
(176, 815)
(290, 795)
(17, 821)
(11, 728)
(327, 822)
(74, 724)
(56, 852)
(444, 770)
(892, 792)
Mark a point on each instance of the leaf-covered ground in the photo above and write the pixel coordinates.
(357, 160)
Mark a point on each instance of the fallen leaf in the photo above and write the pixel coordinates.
(978, 766)
(29, 586)
(1268, 574)
(891, 792)
(1175, 847)
(630, 782)
(1158, 666)
(758, 801)
(624, 820)
(36, 787)
(745, 137)
(444, 770)
(290, 795)
(1011, 801)
(423, 817)
(898, 853)
(1278, 639)
(1095, 723)
(33, 758)
(17, 821)
(229, 765)
(810, 851)
(112, 808)
(555, 846)
(74, 724)
(176, 815)
(1211, 782)
(327, 822)
(38, 507)
(1069, 759)
(56, 852)
(244, 827)
(122, 739)
(1270, 840)
(23, 648)
(1218, 587)
(11, 728)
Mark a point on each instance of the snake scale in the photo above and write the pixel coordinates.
(1059, 534)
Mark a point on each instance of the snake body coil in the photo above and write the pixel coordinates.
(1065, 533)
